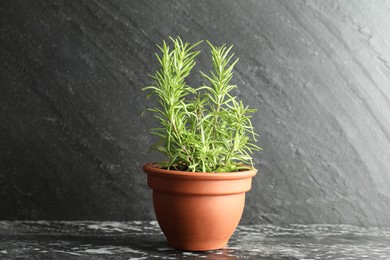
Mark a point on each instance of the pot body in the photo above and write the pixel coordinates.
(198, 211)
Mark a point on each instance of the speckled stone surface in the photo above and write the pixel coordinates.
(144, 240)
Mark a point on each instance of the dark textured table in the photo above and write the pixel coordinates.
(144, 240)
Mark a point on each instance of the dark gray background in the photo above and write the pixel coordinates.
(73, 142)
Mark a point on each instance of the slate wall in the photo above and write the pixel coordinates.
(73, 141)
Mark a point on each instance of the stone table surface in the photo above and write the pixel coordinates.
(144, 240)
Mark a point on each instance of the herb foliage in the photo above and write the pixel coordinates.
(204, 129)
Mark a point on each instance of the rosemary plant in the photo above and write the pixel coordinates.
(204, 129)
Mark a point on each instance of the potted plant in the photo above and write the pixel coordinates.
(207, 136)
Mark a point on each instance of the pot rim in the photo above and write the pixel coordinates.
(152, 169)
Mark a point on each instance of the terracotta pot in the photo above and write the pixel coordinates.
(198, 211)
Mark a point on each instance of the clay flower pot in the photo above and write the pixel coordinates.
(198, 211)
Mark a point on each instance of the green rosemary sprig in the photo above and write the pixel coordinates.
(204, 129)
